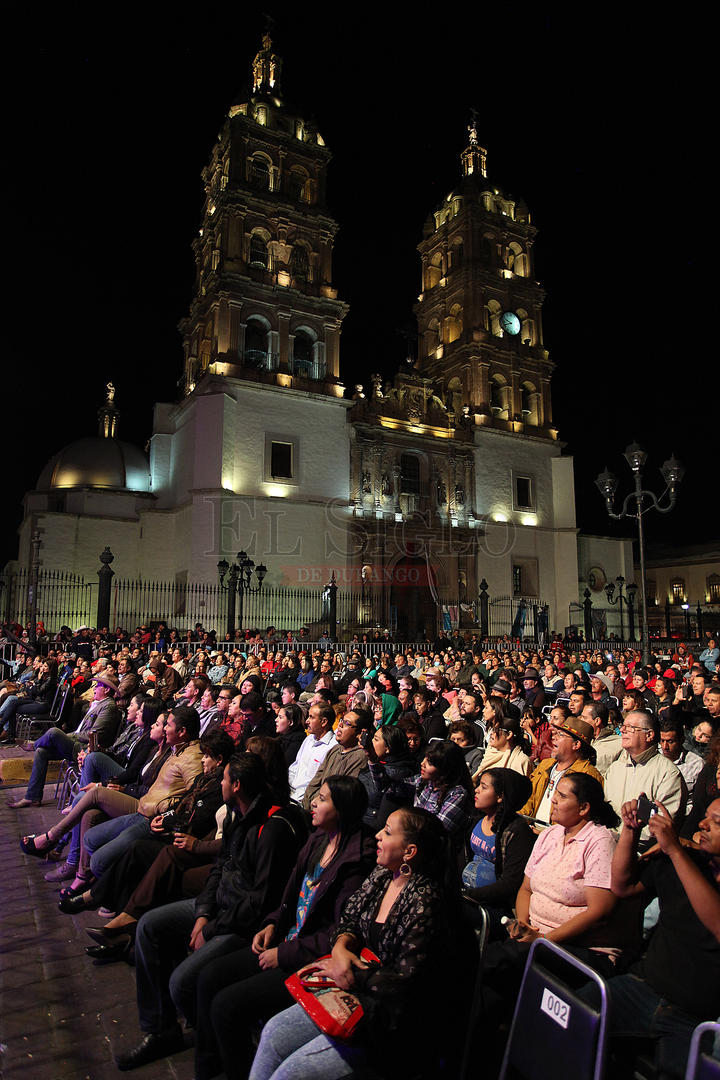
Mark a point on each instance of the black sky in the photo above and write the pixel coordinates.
(604, 128)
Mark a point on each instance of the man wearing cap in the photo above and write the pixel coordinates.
(600, 688)
(102, 720)
(533, 688)
(571, 751)
(642, 769)
(502, 689)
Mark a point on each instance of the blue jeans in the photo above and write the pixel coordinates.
(99, 767)
(51, 746)
(293, 1048)
(166, 976)
(636, 1010)
(109, 840)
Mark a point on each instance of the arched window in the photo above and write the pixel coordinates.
(409, 475)
(260, 174)
(713, 589)
(303, 355)
(493, 311)
(677, 590)
(299, 184)
(300, 263)
(258, 252)
(498, 396)
(454, 324)
(256, 344)
(433, 272)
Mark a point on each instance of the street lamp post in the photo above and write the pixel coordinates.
(607, 484)
(239, 583)
(628, 597)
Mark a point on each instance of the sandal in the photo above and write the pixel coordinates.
(77, 887)
(30, 846)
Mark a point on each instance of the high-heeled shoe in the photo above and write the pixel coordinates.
(104, 935)
(72, 905)
(110, 954)
(30, 846)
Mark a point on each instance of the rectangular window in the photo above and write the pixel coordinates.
(524, 493)
(517, 580)
(281, 461)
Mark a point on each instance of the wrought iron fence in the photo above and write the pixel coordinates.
(519, 617)
(64, 599)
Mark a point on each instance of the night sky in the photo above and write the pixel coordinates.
(602, 127)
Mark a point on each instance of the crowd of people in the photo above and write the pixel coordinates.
(241, 813)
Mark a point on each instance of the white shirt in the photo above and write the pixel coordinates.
(309, 758)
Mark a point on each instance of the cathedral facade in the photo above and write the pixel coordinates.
(415, 488)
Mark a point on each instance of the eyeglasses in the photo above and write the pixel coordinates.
(347, 723)
(632, 727)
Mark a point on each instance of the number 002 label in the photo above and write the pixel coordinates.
(555, 1007)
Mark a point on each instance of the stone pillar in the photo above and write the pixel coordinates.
(105, 576)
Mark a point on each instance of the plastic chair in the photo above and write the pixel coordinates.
(702, 1065)
(555, 1034)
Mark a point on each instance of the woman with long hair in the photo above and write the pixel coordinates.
(234, 992)
(443, 786)
(290, 728)
(507, 748)
(389, 746)
(399, 913)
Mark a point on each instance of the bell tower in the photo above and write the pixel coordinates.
(264, 307)
(480, 310)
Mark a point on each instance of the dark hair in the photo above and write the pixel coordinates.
(327, 713)
(273, 758)
(589, 790)
(513, 791)
(290, 684)
(187, 720)
(350, 801)
(636, 697)
(448, 758)
(248, 770)
(468, 731)
(252, 702)
(423, 829)
(200, 682)
(365, 718)
(498, 706)
(395, 739)
(598, 711)
(151, 709)
(511, 726)
(217, 744)
(295, 714)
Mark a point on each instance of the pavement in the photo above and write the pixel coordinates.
(62, 1015)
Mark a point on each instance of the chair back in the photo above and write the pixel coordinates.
(555, 1034)
(702, 1065)
(482, 931)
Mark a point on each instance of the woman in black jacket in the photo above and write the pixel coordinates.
(389, 746)
(290, 727)
(235, 991)
(497, 847)
(35, 701)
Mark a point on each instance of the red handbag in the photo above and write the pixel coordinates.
(336, 1012)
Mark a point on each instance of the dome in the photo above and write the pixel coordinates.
(97, 463)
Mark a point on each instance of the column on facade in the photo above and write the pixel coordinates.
(376, 453)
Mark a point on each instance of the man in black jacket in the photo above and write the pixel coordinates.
(259, 848)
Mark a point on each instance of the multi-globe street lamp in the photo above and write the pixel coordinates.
(239, 583)
(643, 501)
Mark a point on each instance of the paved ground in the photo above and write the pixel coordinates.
(62, 1016)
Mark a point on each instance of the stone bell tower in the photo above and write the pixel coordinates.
(264, 307)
